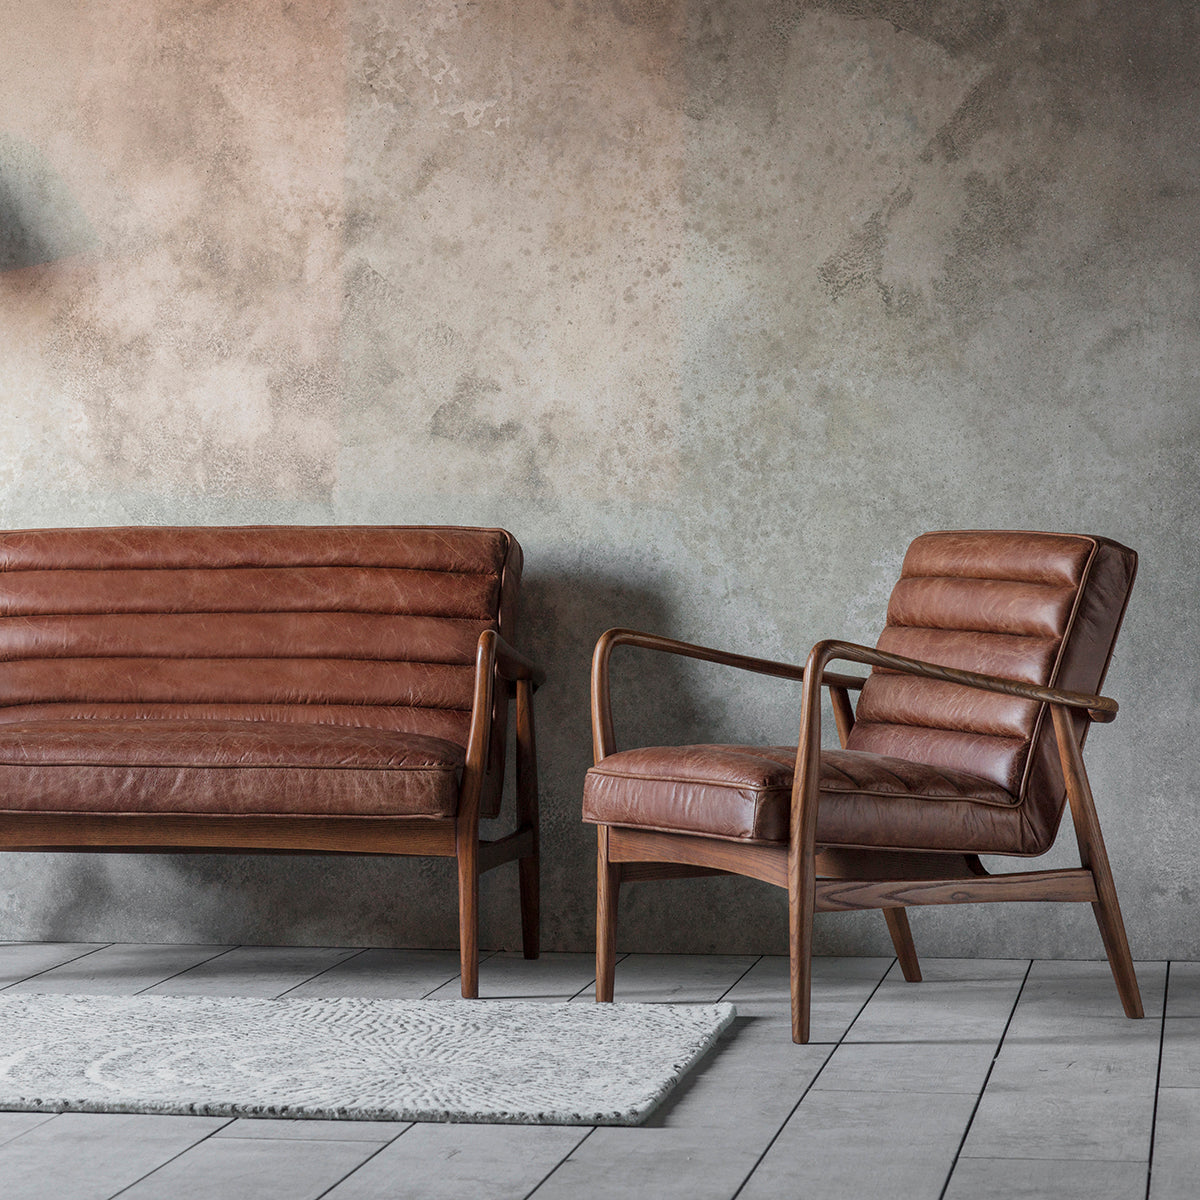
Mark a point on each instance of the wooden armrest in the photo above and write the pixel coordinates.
(602, 727)
(1099, 708)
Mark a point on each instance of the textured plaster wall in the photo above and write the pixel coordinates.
(714, 303)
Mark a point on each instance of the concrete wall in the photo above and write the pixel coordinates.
(715, 304)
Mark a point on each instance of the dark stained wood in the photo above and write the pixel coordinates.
(1067, 883)
(1092, 854)
(902, 940)
(512, 846)
(603, 738)
(608, 884)
(529, 868)
(758, 860)
(836, 862)
(161, 832)
(639, 872)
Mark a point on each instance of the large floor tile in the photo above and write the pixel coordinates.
(1046, 1179)
(1183, 997)
(14, 1124)
(967, 1000)
(21, 960)
(260, 971)
(455, 1162)
(678, 978)
(119, 969)
(92, 1156)
(913, 1069)
(841, 986)
(254, 1168)
(853, 1146)
(385, 974)
(511, 976)
(1175, 1166)
(1181, 1053)
(379, 1132)
(1063, 994)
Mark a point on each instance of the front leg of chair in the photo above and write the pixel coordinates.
(801, 905)
(608, 885)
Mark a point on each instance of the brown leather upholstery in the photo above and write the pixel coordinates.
(252, 669)
(928, 764)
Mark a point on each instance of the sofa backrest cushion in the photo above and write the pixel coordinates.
(353, 625)
(1042, 608)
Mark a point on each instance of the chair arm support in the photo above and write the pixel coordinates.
(603, 738)
(1100, 708)
(511, 664)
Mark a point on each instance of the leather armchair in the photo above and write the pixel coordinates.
(966, 740)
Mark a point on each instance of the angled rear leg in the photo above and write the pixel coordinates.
(906, 952)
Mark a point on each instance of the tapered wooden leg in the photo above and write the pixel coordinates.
(801, 903)
(906, 952)
(1093, 855)
(468, 913)
(608, 886)
(527, 814)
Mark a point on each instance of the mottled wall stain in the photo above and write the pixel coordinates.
(716, 304)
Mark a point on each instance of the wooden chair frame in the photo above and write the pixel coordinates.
(496, 663)
(820, 879)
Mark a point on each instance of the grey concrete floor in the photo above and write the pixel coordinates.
(994, 1078)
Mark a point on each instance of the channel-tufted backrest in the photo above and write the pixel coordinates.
(351, 625)
(1039, 607)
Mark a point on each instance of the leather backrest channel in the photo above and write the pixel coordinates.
(373, 626)
(1042, 608)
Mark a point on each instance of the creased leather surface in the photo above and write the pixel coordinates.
(213, 767)
(744, 792)
(358, 627)
(1044, 608)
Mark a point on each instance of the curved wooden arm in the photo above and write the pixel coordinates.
(603, 738)
(1100, 708)
(494, 659)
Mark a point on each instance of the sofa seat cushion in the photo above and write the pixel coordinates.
(744, 793)
(225, 767)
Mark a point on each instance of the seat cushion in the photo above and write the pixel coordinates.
(744, 793)
(225, 767)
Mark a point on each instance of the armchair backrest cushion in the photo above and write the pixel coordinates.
(1043, 608)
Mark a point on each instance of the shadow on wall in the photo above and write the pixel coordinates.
(40, 219)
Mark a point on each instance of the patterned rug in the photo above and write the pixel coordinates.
(349, 1059)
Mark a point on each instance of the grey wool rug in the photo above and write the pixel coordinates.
(508, 1061)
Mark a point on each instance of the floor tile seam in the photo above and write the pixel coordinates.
(1162, 1039)
(812, 1082)
(46, 970)
(541, 1182)
(185, 970)
(958, 1153)
(359, 1166)
(166, 1161)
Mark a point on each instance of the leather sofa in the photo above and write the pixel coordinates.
(264, 689)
